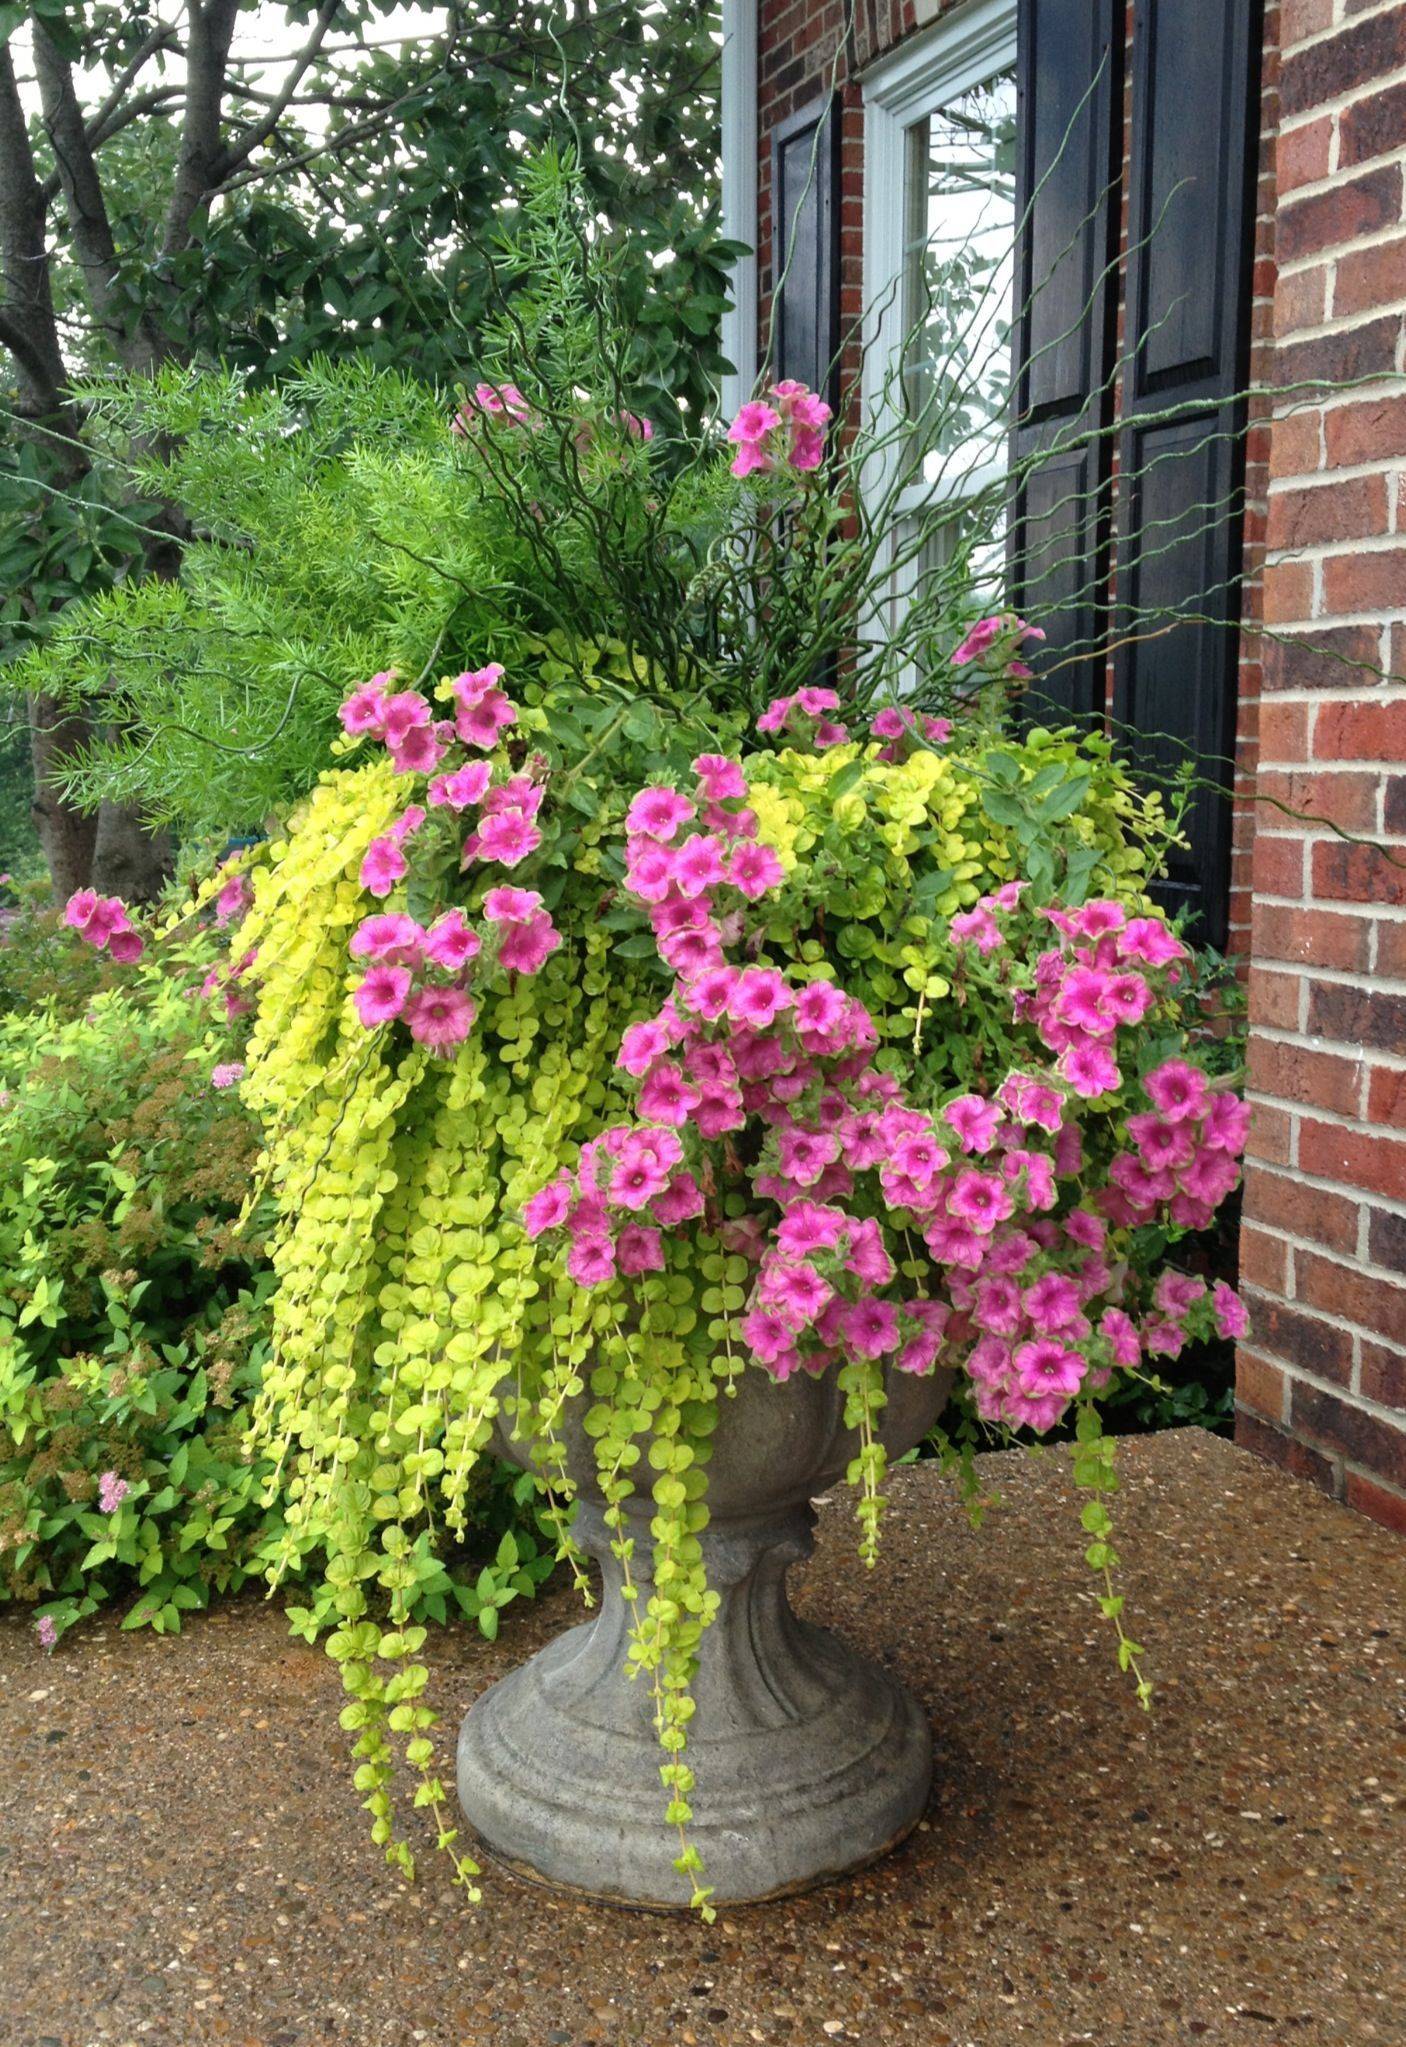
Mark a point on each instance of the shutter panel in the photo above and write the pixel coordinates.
(805, 214)
(1194, 148)
(1068, 98)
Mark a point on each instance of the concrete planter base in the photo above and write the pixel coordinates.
(809, 1759)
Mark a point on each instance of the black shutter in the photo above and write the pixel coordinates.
(1068, 100)
(805, 215)
(1194, 137)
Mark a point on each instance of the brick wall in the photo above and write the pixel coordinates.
(1322, 1384)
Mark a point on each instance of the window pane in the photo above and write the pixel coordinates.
(958, 283)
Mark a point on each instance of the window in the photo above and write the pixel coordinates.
(939, 229)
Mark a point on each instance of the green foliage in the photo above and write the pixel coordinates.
(133, 1321)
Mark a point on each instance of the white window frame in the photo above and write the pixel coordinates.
(965, 48)
(739, 193)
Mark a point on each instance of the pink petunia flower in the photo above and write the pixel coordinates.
(381, 995)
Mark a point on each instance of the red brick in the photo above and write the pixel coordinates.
(1344, 797)
(1386, 1096)
(1348, 209)
(1259, 1385)
(1357, 55)
(1301, 18)
(1391, 953)
(1353, 1158)
(1368, 431)
(1285, 1330)
(1357, 352)
(1353, 1295)
(1359, 874)
(1383, 1375)
(1338, 1427)
(1357, 1016)
(1301, 154)
(1301, 300)
(1294, 444)
(1386, 1239)
(1361, 731)
(1367, 278)
(1349, 509)
(1291, 1073)
(1274, 999)
(1288, 593)
(1284, 727)
(1378, 1502)
(1365, 582)
(1372, 126)
(1394, 806)
(1278, 1448)
(1284, 1203)
(1279, 864)
(1319, 938)
(1271, 1134)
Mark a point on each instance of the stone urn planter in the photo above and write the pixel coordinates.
(810, 1760)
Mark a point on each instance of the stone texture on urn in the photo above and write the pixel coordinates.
(810, 1760)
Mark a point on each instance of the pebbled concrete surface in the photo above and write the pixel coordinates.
(182, 1859)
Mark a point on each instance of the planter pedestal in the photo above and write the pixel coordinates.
(809, 1759)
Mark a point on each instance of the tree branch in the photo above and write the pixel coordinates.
(78, 179)
(29, 329)
(258, 132)
(210, 28)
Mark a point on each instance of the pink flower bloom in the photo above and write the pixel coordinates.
(465, 786)
(639, 1249)
(870, 1327)
(698, 865)
(975, 1122)
(126, 945)
(1098, 918)
(547, 1208)
(526, 948)
(479, 722)
(977, 641)
(1090, 1069)
(998, 1306)
(112, 1491)
(722, 780)
(975, 927)
(808, 1226)
(1163, 1146)
(451, 942)
(758, 998)
(507, 837)
(403, 714)
(1052, 1301)
(1147, 938)
(47, 1631)
(666, 1097)
(773, 718)
(765, 1335)
(1177, 1089)
(390, 937)
(1231, 1317)
(79, 908)
(1226, 1124)
(228, 1075)
(658, 812)
(1120, 1332)
(418, 753)
(591, 1260)
(382, 995)
(508, 905)
(440, 1017)
(365, 709)
(234, 898)
(383, 866)
(753, 868)
(1047, 1367)
(680, 1202)
(980, 1200)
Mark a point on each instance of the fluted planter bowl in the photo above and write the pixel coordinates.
(810, 1760)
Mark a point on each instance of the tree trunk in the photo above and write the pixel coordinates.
(66, 836)
(128, 860)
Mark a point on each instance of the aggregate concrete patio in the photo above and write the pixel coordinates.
(182, 1860)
